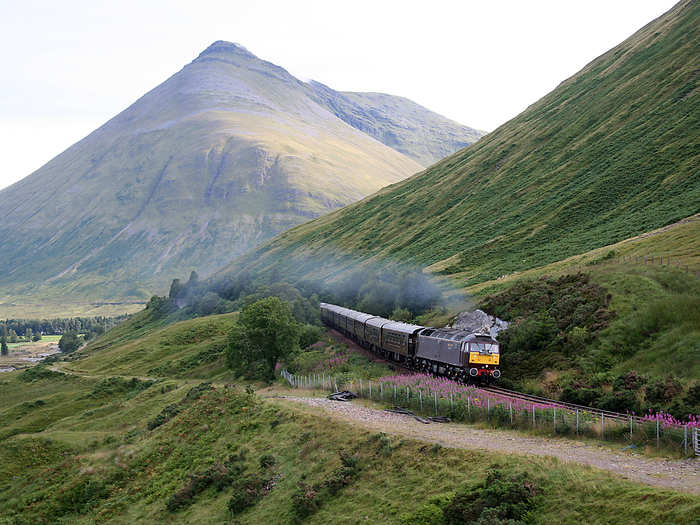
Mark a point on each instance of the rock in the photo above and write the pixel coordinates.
(478, 321)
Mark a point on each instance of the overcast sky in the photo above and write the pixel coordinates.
(69, 66)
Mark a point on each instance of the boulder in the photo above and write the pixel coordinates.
(478, 321)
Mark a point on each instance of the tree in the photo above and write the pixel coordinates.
(13, 336)
(36, 336)
(3, 341)
(69, 342)
(264, 333)
(28, 334)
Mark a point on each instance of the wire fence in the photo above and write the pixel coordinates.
(471, 404)
(665, 261)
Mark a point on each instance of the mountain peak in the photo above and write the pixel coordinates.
(225, 47)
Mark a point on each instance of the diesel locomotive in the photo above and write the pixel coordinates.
(456, 354)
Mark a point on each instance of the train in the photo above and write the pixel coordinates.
(456, 354)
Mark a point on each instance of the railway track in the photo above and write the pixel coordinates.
(513, 394)
(504, 392)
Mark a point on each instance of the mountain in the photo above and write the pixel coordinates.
(399, 123)
(223, 155)
(612, 152)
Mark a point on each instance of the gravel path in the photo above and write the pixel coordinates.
(683, 475)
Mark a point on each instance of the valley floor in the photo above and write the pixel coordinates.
(683, 475)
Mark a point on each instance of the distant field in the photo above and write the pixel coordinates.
(33, 344)
(15, 309)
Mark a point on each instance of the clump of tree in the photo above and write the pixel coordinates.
(69, 342)
(32, 329)
(265, 333)
(4, 350)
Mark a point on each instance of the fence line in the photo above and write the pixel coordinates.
(474, 404)
(667, 261)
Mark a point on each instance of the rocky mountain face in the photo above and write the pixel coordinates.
(225, 154)
(612, 152)
(415, 131)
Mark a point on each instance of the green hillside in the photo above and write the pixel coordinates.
(104, 444)
(612, 152)
(223, 155)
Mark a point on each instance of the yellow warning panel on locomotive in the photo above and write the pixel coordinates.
(483, 359)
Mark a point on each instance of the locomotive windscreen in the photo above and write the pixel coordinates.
(484, 348)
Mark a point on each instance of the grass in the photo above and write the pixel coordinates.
(99, 463)
(29, 344)
(80, 447)
(143, 346)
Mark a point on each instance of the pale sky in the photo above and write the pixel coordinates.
(68, 66)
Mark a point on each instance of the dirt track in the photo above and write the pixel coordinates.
(683, 475)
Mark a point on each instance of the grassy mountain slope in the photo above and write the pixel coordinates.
(100, 447)
(223, 155)
(610, 153)
(676, 246)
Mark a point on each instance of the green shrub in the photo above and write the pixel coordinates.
(309, 335)
(219, 475)
(500, 499)
(117, 385)
(37, 373)
(304, 500)
(247, 491)
(80, 497)
(164, 416)
(267, 461)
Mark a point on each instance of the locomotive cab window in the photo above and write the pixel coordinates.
(484, 348)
